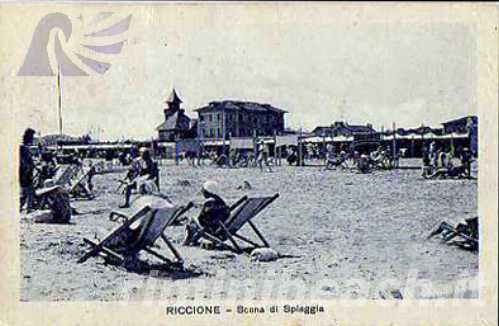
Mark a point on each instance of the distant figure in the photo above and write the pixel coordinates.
(200, 155)
(466, 158)
(426, 169)
(291, 157)
(26, 171)
(363, 163)
(214, 210)
(123, 158)
(48, 167)
(263, 156)
(432, 153)
(330, 157)
(234, 158)
(220, 160)
(245, 186)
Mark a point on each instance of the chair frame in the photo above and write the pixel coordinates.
(79, 183)
(224, 228)
(137, 245)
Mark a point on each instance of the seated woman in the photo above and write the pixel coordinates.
(214, 210)
(141, 170)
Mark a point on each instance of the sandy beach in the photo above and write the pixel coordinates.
(332, 227)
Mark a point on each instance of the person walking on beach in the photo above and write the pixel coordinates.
(26, 171)
(263, 156)
(214, 211)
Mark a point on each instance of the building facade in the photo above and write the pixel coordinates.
(177, 124)
(224, 119)
(341, 128)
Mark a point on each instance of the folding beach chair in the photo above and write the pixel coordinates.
(78, 185)
(242, 212)
(126, 241)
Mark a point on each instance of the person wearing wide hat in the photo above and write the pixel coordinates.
(214, 210)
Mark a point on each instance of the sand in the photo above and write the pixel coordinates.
(342, 235)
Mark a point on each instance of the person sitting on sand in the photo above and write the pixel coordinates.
(363, 165)
(142, 169)
(378, 158)
(214, 210)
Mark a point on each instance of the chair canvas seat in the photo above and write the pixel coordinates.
(250, 208)
(139, 232)
(143, 232)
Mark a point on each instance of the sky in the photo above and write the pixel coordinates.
(320, 67)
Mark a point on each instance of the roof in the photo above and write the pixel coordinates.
(173, 98)
(463, 120)
(340, 127)
(359, 128)
(239, 106)
(172, 122)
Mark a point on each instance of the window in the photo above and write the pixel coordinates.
(241, 117)
(210, 118)
(219, 117)
(201, 118)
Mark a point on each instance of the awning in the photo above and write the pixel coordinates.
(316, 139)
(342, 139)
(241, 143)
(428, 135)
(218, 142)
(287, 140)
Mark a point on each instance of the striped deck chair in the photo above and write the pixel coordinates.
(74, 180)
(138, 232)
(78, 186)
(242, 212)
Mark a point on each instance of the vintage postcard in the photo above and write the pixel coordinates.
(254, 163)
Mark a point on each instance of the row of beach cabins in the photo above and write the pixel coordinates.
(408, 143)
(224, 126)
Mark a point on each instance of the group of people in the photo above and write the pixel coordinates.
(39, 167)
(363, 162)
(238, 158)
(444, 161)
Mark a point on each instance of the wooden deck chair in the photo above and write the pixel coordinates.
(64, 175)
(77, 185)
(242, 212)
(121, 244)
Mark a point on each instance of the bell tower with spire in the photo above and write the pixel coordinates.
(173, 104)
(177, 123)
